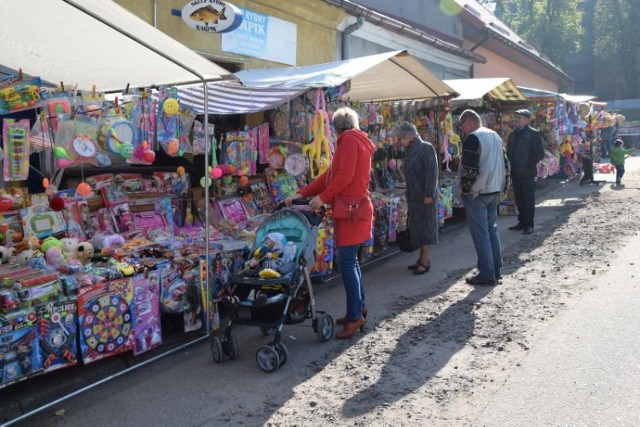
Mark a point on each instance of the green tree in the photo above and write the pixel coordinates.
(553, 27)
(615, 45)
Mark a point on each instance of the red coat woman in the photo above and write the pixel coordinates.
(348, 175)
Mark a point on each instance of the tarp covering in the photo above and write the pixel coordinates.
(539, 93)
(64, 41)
(234, 98)
(387, 76)
(474, 92)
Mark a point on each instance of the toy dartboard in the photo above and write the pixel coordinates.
(106, 324)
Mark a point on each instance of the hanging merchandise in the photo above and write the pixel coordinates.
(319, 151)
(76, 144)
(20, 95)
(143, 119)
(115, 133)
(239, 150)
(174, 124)
(15, 135)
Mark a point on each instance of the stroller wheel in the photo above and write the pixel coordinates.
(233, 347)
(216, 349)
(283, 352)
(267, 331)
(324, 327)
(267, 358)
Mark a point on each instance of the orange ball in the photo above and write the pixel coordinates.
(149, 156)
(83, 189)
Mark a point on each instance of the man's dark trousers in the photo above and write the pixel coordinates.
(524, 191)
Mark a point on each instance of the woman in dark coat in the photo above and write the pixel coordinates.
(421, 172)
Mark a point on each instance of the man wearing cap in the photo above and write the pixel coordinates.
(524, 150)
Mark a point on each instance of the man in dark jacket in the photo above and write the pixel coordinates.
(524, 150)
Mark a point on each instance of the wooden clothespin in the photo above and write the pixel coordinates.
(126, 90)
(20, 74)
(93, 92)
(61, 86)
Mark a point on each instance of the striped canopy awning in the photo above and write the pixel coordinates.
(474, 92)
(234, 98)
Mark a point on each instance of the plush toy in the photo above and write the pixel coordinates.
(6, 254)
(84, 252)
(38, 263)
(54, 256)
(23, 257)
(69, 246)
(50, 242)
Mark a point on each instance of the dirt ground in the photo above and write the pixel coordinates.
(440, 359)
(435, 349)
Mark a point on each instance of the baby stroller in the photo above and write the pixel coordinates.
(285, 300)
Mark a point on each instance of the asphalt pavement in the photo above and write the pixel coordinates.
(585, 369)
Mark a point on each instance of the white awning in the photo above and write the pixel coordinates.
(234, 98)
(390, 76)
(473, 91)
(95, 43)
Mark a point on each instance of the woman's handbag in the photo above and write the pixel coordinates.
(353, 208)
(403, 239)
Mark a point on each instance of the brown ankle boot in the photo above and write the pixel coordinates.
(343, 320)
(350, 329)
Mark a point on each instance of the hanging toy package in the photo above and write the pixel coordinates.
(143, 118)
(173, 124)
(15, 135)
(76, 144)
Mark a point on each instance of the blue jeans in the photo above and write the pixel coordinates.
(482, 217)
(352, 280)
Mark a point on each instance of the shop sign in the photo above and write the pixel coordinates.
(211, 16)
(262, 36)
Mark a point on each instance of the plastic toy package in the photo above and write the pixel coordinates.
(20, 95)
(15, 135)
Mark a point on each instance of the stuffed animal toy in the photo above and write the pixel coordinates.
(69, 246)
(84, 252)
(38, 263)
(50, 242)
(54, 256)
(6, 254)
(23, 257)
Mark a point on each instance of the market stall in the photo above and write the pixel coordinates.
(74, 283)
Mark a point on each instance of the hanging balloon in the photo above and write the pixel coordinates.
(392, 164)
(83, 189)
(126, 150)
(45, 183)
(180, 171)
(149, 156)
(173, 147)
(216, 173)
(243, 181)
(170, 107)
(205, 181)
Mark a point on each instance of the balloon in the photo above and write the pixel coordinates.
(216, 173)
(392, 164)
(180, 171)
(145, 145)
(61, 153)
(63, 163)
(244, 181)
(126, 150)
(170, 106)
(83, 189)
(45, 183)
(173, 147)
(205, 181)
(149, 156)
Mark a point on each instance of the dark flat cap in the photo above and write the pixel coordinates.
(523, 112)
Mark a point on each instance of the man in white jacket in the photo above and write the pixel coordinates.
(482, 178)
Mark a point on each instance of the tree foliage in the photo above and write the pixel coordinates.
(551, 26)
(615, 43)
